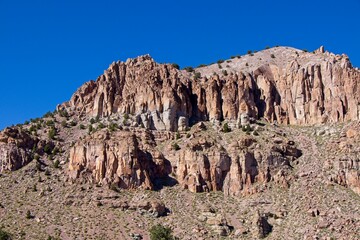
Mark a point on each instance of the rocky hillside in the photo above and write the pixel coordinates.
(253, 145)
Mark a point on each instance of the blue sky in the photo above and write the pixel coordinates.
(49, 48)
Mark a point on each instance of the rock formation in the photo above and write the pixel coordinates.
(303, 88)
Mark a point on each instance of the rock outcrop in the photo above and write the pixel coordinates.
(119, 159)
(16, 149)
(303, 88)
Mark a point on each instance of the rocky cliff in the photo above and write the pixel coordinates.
(161, 121)
(282, 84)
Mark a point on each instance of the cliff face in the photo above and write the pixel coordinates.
(147, 107)
(300, 88)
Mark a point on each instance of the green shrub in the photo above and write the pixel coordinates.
(177, 136)
(112, 127)
(28, 214)
(56, 164)
(175, 65)
(47, 149)
(90, 129)
(100, 126)
(267, 47)
(175, 146)
(4, 235)
(197, 75)
(82, 126)
(50, 123)
(92, 121)
(188, 135)
(63, 124)
(48, 114)
(189, 69)
(226, 128)
(73, 123)
(305, 50)
(63, 113)
(159, 232)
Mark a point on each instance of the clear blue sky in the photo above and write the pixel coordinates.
(49, 48)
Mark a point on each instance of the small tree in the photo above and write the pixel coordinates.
(197, 75)
(159, 232)
(175, 65)
(4, 235)
(189, 69)
(226, 128)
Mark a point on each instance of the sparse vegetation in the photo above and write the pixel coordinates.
(224, 72)
(4, 235)
(197, 75)
(226, 128)
(56, 164)
(175, 65)
(175, 146)
(159, 232)
(52, 133)
(189, 69)
(272, 56)
(82, 126)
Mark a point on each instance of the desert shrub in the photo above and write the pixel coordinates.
(305, 50)
(249, 52)
(26, 122)
(272, 56)
(197, 75)
(159, 232)
(267, 47)
(90, 129)
(219, 65)
(56, 164)
(4, 235)
(232, 57)
(34, 188)
(73, 123)
(177, 136)
(189, 69)
(47, 149)
(175, 65)
(92, 121)
(63, 113)
(225, 72)
(100, 126)
(47, 172)
(188, 135)
(63, 124)
(112, 127)
(246, 64)
(175, 146)
(202, 65)
(226, 128)
(48, 114)
(50, 123)
(28, 214)
(220, 61)
(82, 126)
